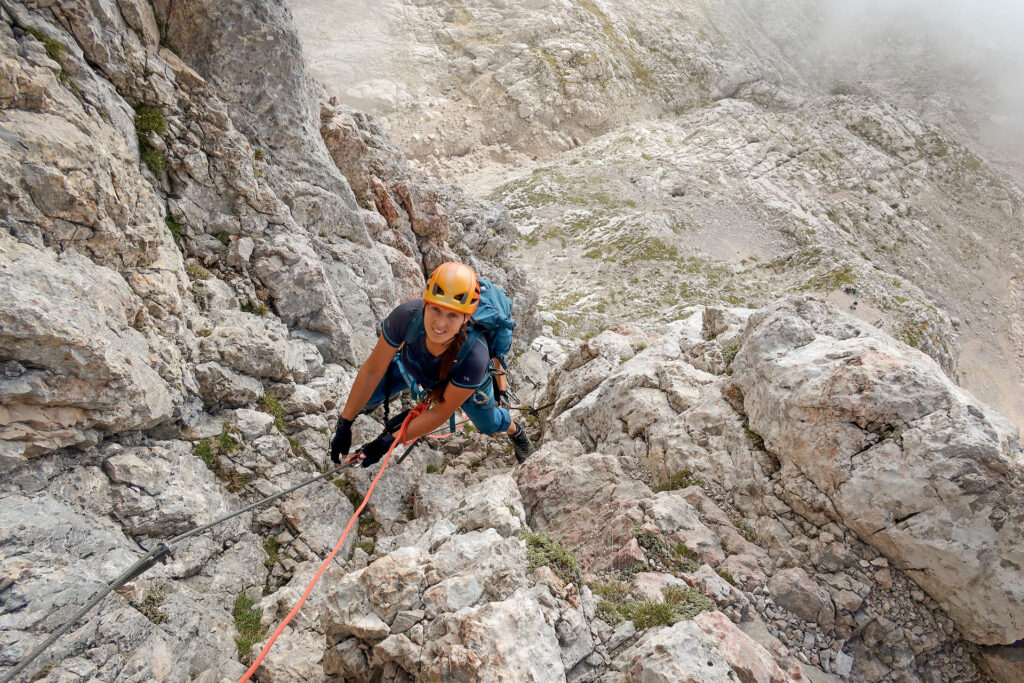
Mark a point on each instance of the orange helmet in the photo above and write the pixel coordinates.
(453, 286)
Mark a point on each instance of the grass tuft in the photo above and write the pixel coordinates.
(273, 548)
(150, 120)
(270, 404)
(680, 480)
(680, 604)
(247, 622)
(729, 350)
(657, 548)
(175, 227)
(544, 551)
(204, 451)
(150, 607)
(197, 272)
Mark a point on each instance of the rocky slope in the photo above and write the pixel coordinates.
(730, 151)
(175, 253)
(197, 246)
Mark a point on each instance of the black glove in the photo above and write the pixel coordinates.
(395, 423)
(376, 449)
(501, 398)
(342, 441)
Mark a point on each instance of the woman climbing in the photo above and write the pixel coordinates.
(421, 347)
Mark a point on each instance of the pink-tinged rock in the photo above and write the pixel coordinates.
(628, 556)
(751, 662)
(744, 569)
(585, 500)
(728, 598)
(650, 585)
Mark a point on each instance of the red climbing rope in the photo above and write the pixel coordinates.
(399, 439)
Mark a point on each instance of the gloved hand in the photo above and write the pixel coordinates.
(376, 449)
(501, 398)
(342, 441)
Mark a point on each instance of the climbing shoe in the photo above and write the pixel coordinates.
(521, 442)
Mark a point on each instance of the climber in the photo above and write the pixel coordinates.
(421, 348)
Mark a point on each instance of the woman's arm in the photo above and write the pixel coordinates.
(368, 378)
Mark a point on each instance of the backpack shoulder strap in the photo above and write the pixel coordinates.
(467, 346)
(415, 327)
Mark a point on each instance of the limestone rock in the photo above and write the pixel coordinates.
(749, 660)
(797, 592)
(256, 346)
(219, 384)
(906, 457)
(76, 367)
(508, 638)
(682, 652)
(585, 501)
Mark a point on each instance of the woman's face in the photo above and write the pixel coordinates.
(441, 324)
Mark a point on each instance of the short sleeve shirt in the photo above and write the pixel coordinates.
(426, 367)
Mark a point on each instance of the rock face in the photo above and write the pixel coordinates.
(192, 233)
(908, 461)
(181, 243)
(889, 488)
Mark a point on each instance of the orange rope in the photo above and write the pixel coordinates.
(309, 589)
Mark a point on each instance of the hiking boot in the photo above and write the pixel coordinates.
(521, 442)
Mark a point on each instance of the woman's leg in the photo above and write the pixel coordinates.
(485, 414)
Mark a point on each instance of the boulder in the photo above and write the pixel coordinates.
(914, 465)
(585, 500)
(255, 345)
(794, 590)
(75, 367)
(682, 653)
(219, 384)
(751, 662)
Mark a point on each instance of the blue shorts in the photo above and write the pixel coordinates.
(480, 407)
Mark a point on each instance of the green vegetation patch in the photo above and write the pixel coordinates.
(197, 272)
(247, 622)
(369, 526)
(729, 351)
(259, 309)
(657, 548)
(270, 404)
(210, 450)
(226, 441)
(150, 120)
(204, 451)
(830, 280)
(177, 232)
(345, 486)
(680, 604)
(150, 606)
(544, 551)
(679, 480)
(273, 548)
(54, 48)
(367, 546)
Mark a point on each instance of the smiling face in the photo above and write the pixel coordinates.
(442, 324)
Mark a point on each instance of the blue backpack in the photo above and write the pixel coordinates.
(491, 322)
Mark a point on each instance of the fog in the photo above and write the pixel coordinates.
(959, 64)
